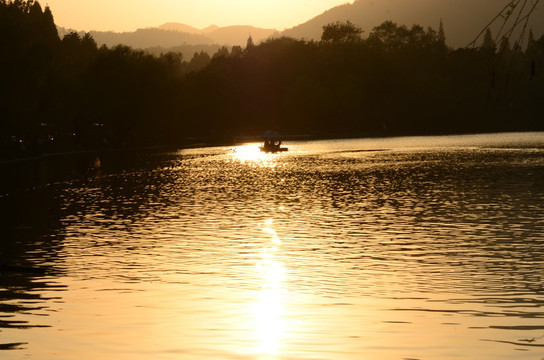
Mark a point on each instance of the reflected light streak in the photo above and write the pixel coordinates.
(251, 154)
(269, 308)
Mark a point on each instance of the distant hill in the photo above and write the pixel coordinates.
(186, 28)
(171, 35)
(463, 19)
(228, 35)
(145, 38)
(238, 35)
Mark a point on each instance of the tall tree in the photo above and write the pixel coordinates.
(339, 32)
(488, 43)
(441, 34)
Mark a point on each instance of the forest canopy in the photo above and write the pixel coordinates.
(69, 94)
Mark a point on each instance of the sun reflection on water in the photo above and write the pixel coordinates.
(269, 307)
(251, 154)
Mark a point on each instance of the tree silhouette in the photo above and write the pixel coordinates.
(68, 94)
(341, 33)
(488, 43)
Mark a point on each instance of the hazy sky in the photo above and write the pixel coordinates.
(128, 15)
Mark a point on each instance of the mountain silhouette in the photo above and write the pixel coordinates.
(238, 35)
(174, 26)
(176, 34)
(145, 38)
(462, 19)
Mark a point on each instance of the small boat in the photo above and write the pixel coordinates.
(272, 142)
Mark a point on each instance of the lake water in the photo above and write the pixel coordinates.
(397, 248)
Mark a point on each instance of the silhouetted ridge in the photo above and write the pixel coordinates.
(462, 19)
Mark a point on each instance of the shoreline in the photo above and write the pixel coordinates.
(191, 143)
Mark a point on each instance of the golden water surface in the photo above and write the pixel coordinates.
(402, 248)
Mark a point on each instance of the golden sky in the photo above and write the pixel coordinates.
(129, 15)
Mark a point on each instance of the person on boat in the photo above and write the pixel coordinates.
(272, 142)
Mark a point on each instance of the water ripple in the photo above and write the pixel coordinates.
(317, 248)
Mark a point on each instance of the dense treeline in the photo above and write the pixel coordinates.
(66, 94)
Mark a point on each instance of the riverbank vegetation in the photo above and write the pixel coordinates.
(69, 94)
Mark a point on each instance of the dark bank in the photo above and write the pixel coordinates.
(68, 94)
